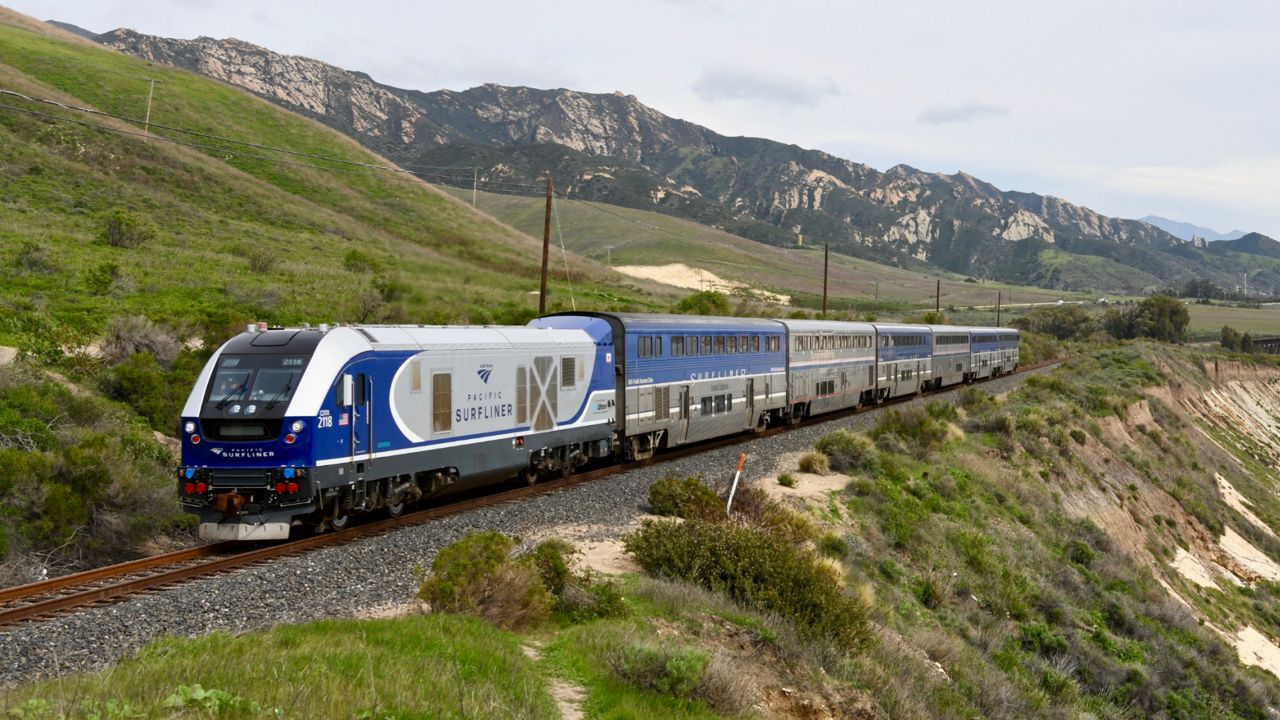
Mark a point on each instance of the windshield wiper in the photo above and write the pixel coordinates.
(287, 387)
(233, 395)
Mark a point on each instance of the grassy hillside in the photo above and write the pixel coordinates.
(639, 237)
(221, 236)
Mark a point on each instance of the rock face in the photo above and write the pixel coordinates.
(613, 148)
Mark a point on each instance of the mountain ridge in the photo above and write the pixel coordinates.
(1186, 231)
(613, 148)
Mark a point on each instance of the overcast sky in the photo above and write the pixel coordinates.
(1169, 107)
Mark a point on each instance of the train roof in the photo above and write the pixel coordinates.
(828, 326)
(646, 321)
(951, 328)
(900, 328)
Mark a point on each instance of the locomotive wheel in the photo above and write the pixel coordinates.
(529, 477)
(339, 521)
(396, 510)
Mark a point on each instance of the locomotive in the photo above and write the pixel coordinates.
(311, 426)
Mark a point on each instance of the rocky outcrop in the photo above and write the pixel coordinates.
(613, 148)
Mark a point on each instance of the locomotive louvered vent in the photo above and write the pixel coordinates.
(568, 372)
(662, 403)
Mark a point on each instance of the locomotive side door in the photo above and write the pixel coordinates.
(751, 402)
(686, 401)
(359, 417)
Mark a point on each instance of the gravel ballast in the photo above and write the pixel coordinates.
(366, 574)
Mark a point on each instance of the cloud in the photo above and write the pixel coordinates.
(941, 114)
(1249, 185)
(717, 84)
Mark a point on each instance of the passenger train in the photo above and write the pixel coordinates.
(311, 426)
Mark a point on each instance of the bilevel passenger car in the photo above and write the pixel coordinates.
(310, 426)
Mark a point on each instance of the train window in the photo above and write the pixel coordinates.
(773, 344)
(755, 343)
(733, 344)
(657, 346)
(568, 373)
(645, 346)
(742, 343)
(706, 405)
(706, 345)
(719, 344)
(719, 404)
(691, 345)
(441, 402)
(677, 346)
(522, 395)
(415, 376)
(361, 381)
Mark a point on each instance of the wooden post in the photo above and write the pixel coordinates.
(999, 297)
(475, 185)
(546, 251)
(937, 297)
(826, 261)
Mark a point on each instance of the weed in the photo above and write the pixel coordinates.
(124, 229)
(815, 463)
(833, 546)
(787, 480)
(477, 575)
(846, 451)
(686, 498)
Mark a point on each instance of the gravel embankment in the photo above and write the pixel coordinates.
(341, 581)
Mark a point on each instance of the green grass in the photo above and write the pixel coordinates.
(1207, 320)
(433, 666)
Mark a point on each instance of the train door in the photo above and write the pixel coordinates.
(645, 408)
(751, 402)
(686, 401)
(356, 393)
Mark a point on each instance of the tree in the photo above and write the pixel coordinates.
(1230, 338)
(1246, 343)
(707, 302)
(1161, 317)
(1063, 322)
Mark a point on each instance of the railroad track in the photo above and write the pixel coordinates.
(48, 598)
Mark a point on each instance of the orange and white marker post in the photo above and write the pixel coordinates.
(742, 459)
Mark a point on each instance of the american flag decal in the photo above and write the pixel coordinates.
(342, 420)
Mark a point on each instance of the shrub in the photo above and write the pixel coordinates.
(788, 480)
(478, 576)
(845, 450)
(124, 229)
(674, 671)
(33, 257)
(707, 302)
(102, 277)
(815, 463)
(686, 498)
(832, 545)
(578, 596)
(359, 261)
(753, 507)
(262, 260)
(752, 567)
(920, 430)
(128, 335)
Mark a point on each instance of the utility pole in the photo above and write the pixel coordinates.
(609, 249)
(475, 185)
(146, 123)
(937, 297)
(826, 263)
(546, 251)
(999, 297)
(877, 291)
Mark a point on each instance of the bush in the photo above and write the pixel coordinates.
(920, 431)
(478, 576)
(833, 546)
(578, 596)
(752, 567)
(33, 257)
(686, 498)
(262, 260)
(674, 671)
(707, 302)
(845, 450)
(124, 229)
(133, 334)
(815, 463)
(100, 279)
(788, 480)
(753, 507)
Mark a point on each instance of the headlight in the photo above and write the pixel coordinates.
(190, 427)
(297, 426)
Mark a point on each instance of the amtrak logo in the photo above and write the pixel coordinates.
(484, 372)
(216, 451)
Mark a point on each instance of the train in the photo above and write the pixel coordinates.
(311, 426)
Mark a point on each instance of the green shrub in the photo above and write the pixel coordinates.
(101, 278)
(752, 506)
(787, 480)
(815, 463)
(578, 596)
(686, 498)
(359, 261)
(707, 302)
(920, 430)
(1041, 638)
(832, 545)
(845, 450)
(752, 567)
(33, 257)
(477, 575)
(674, 671)
(262, 260)
(124, 229)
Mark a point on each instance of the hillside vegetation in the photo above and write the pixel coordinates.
(1016, 556)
